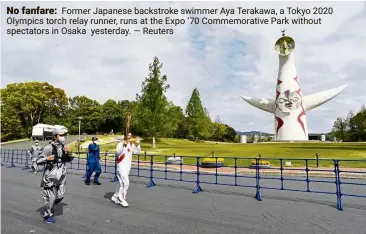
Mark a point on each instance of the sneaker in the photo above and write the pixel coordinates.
(87, 183)
(124, 203)
(97, 183)
(115, 199)
(50, 219)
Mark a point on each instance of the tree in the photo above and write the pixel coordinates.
(89, 109)
(357, 123)
(351, 127)
(153, 106)
(339, 129)
(176, 117)
(219, 129)
(11, 126)
(197, 118)
(112, 116)
(230, 134)
(25, 104)
(32, 102)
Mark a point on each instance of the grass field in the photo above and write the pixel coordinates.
(180, 147)
(15, 141)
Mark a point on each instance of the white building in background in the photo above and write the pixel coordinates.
(322, 137)
(243, 138)
(44, 131)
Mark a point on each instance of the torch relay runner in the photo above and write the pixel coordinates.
(125, 150)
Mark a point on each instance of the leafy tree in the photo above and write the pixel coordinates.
(176, 118)
(358, 125)
(112, 114)
(219, 129)
(90, 110)
(153, 106)
(11, 126)
(351, 127)
(340, 128)
(32, 101)
(230, 134)
(197, 118)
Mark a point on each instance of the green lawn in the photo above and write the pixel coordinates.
(15, 141)
(167, 147)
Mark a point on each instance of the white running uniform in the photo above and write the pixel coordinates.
(124, 161)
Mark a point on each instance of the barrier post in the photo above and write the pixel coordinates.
(138, 165)
(236, 172)
(198, 186)
(216, 171)
(78, 160)
(151, 182)
(115, 169)
(86, 165)
(12, 160)
(338, 185)
(166, 167)
(281, 169)
(26, 166)
(307, 175)
(1, 150)
(181, 169)
(105, 161)
(257, 178)
(317, 160)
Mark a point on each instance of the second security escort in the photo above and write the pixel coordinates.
(93, 162)
(34, 153)
(55, 157)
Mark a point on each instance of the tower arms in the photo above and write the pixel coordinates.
(265, 104)
(314, 100)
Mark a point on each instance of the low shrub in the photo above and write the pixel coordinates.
(261, 162)
(212, 160)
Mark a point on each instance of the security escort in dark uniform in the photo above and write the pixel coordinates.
(55, 157)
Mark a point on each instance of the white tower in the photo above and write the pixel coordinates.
(290, 106)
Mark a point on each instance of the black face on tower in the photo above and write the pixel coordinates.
(288, 101)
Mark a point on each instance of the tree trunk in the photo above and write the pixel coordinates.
(153, 144)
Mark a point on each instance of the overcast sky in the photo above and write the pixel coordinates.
(222, 61)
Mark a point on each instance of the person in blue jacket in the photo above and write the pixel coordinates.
(93, 162)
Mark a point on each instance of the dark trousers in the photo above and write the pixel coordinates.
(93, 167)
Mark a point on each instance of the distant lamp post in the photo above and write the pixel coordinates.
(79, 118)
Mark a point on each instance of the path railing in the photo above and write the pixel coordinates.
(237, 171)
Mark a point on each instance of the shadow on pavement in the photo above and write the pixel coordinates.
(59, 210)
(108, 195)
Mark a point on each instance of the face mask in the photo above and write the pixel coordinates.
(61, 138)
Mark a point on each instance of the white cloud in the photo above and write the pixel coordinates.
(222, 61)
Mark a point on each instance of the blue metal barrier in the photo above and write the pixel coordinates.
(156, 162)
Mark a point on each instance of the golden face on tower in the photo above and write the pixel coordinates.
(284, 45)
